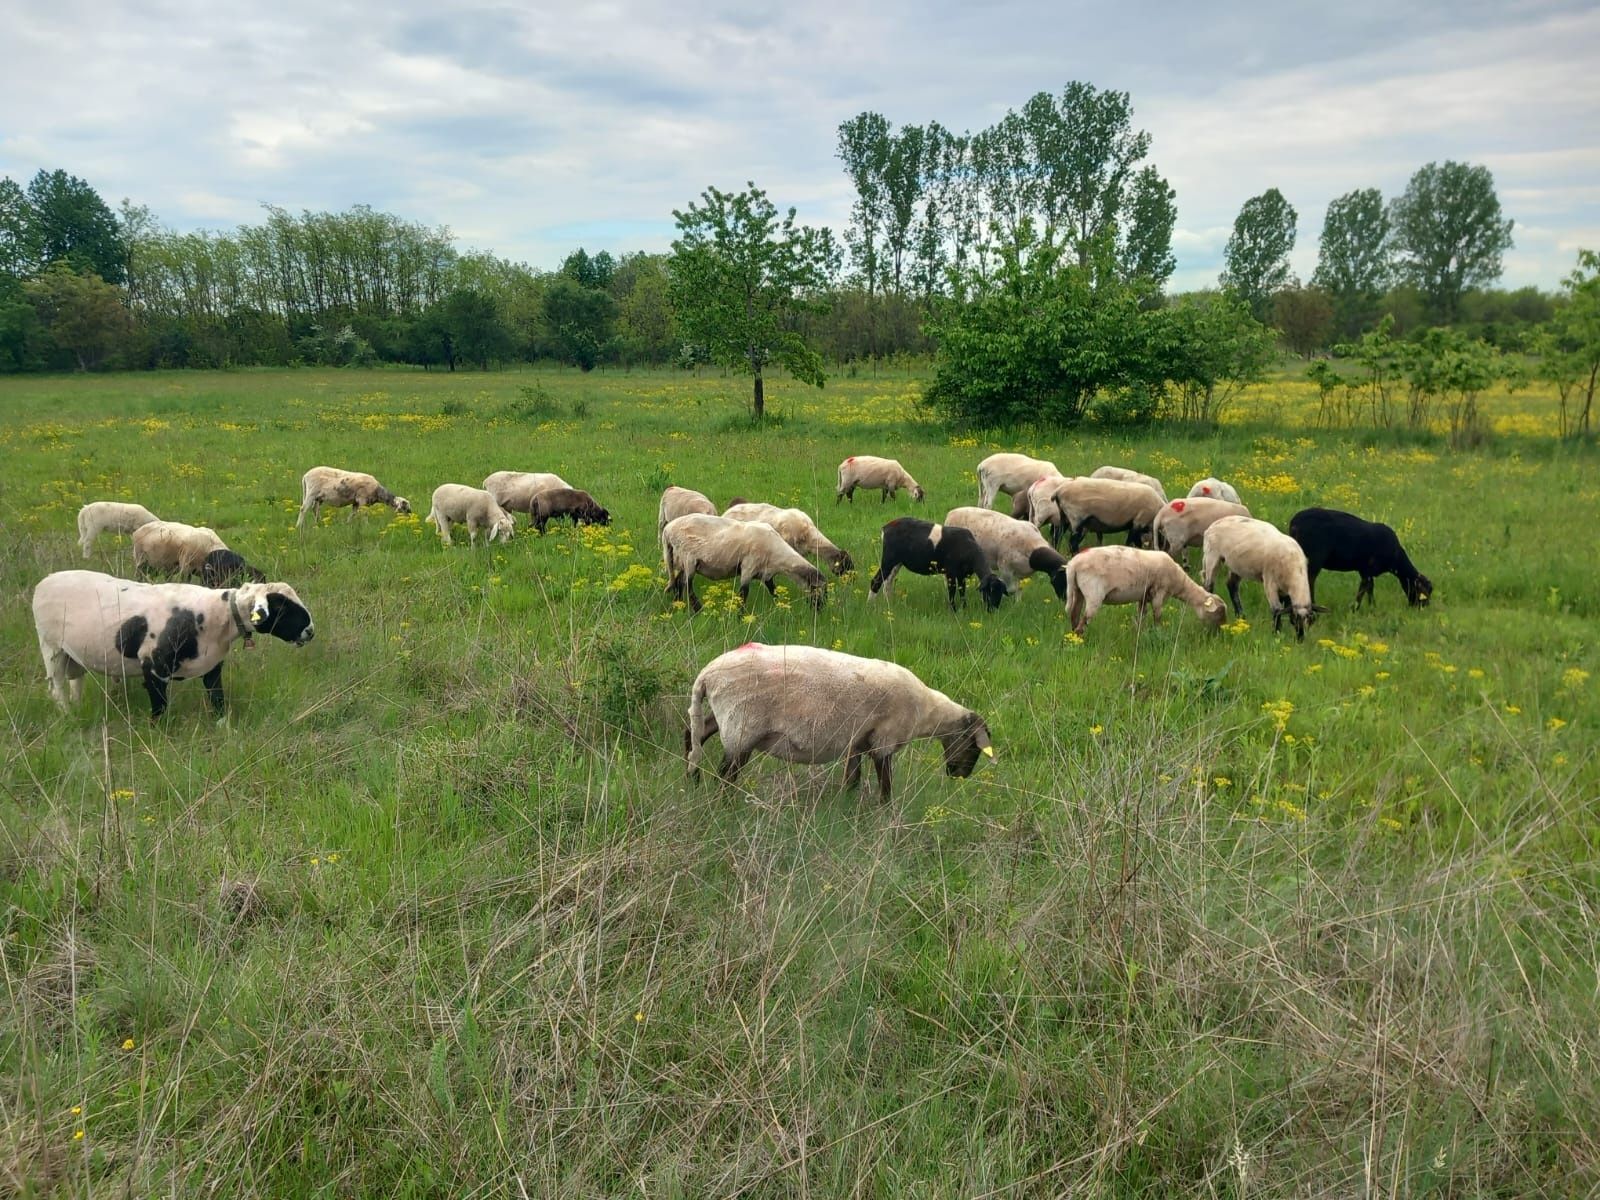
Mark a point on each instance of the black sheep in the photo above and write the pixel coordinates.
(567, 502)
(224, 568)
(1341, 541)
(924, 548)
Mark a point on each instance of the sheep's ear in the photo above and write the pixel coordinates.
(1320, 608)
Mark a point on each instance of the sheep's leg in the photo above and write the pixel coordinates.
(354, 509)
(1366, 589)
(732, 763)
(443, 524)
(213, 681)
(1233, 593)
(772, 586)
(883, 760)
(1157, 600)
(156, 688)
(952, 588)
(1311, 581)
(693, 752)
(55, 672)
(1076, 539)
(689, 594)
(852, 768)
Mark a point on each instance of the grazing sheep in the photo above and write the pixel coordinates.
(680, 502)
(1183, 523)
(798, 529)
(924, 548)
(866, 471)
(1341, 541)
(1105, 506)
(515, 491)
(1215, 489)
(719, 548)
(577, 505)
(1254, 549)
(104, 516)
(1128, 476)
(809, 705)
(1126, 575)
(1015, 549)
(87, 621)
(337, 489)
(173, 548)
(474, 507)
(224, 568)
(1010, 474)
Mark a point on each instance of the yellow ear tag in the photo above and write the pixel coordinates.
(257, 616)
(988, 751)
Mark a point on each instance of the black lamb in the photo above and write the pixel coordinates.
(224, 568)
(952, 551)
(1341, 541)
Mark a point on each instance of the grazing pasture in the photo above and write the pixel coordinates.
(437, 911)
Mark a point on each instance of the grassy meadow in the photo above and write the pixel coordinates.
(437, 913)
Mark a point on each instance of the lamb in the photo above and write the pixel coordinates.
(1105, 506)
(515, 491)
(1015, 549)
(102, 516)
(474, 507)
(1341, 541)
(87, 621)
(579, 506)
(1126, 575)
(680, 502)
(719, 548)
(224, 568)
(809, 705)
(173, 547)
(864, 470)
(924, 548)
(337, 489)
(1183, 523)
(796, 528)
(1009, 473)
(1128, 476)
(1216, 489)
(1254, 549)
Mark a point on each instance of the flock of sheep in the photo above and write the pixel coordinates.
(796, 702)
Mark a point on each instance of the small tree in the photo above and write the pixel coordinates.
(85, 315)
(1448, 233)
(1304, 316)
(1214, 347)
(1570, 348)
(739, 273)
(1256, 258)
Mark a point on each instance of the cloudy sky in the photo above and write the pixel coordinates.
(531, 128)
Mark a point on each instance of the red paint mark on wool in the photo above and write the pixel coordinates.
(1177, 506)
(852, 458)
(751, 646)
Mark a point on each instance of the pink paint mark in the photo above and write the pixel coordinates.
(1177, 506)
(752, 646)
(852, 458)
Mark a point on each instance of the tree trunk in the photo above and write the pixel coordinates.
(760, 398)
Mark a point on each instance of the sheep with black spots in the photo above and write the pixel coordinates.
(87, 621)
(797, 528)
(1127, 575)
(1253, 549)
(808, 705)
(719, 548)
(110, 516)
(473, 507)
(1015, 549)
(924, 548)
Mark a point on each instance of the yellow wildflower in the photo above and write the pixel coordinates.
(1096, 730)
(1280, 711)
(1071, 638)
(975, 624)
(77, 1109)
(1475, 673)
(77, 1135)
(1554, 723)
(1381, 675)
(127, 1043)
(638, 1017)
(1222, 781)
(1514, 710)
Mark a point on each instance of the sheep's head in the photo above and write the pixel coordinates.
(1213, 612)
(841, 561)
(1419, 590)
(917, 493)
(1302, 617)
(963, 746)
(275, 609)
(993, 590)
(596, 515)
(815, 583)
(402, 505)
(505, 526)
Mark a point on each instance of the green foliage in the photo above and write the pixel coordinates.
(1446, 367)
(579, 319)
(739, 273)
(1145, 255)
(1256, 258)
(65, 221)
(1569, 351)
(1354, 264)
(1304, 316)
(83, 314)
(1211, 347)
(1448, 234)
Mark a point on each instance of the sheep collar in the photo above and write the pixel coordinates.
(245, 631)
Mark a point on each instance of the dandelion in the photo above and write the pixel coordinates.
(1290, 809)
(1313, 668)
(638, 1017)
(334, 857)
(1559, 760)
(77, 1110)
(1554, 723)
(1071, 638)
(1379, 648)
(77, 1135)
(127, 1043)
(1236, 627)
(1366, 690)
(1096, 730)
(315, 861)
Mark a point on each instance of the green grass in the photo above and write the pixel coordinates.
(437, 913)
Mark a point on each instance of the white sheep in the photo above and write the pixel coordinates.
(719, 548)
(1183, 523)
(1255, 549)
(109, 516)
(336, 488)
(1036, 505)
(798, 529)
(87, 621)
(1130, 476)
(1015, 549)
(1215, 489)
(1009, 474)
(515, 491)
(867, 471)
(1127, 575)
(173, 548)
(1105, 506)
(473, 507)
(809, 705)
(680, 502)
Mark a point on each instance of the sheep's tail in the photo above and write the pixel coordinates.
(696, 737)
(1075, 598)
